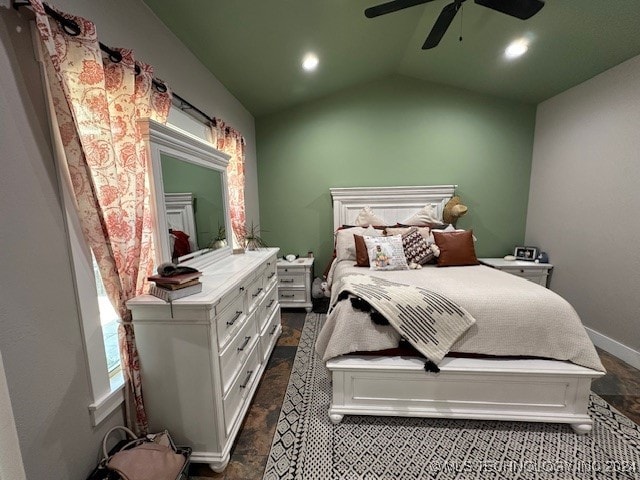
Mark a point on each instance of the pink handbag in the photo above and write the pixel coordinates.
(153, 457)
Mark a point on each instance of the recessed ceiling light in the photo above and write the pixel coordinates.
(516, 48)
(310, 62)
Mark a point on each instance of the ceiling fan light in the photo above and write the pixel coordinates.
(516, 49)
(310, 62)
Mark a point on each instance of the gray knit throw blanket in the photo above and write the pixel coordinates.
(429, 321)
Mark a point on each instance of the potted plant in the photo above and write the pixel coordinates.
(251, 239)
(221, 238)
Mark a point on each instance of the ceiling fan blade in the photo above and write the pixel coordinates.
(522, 9)
(391, 7)
(442, 23)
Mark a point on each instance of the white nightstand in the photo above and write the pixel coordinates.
(534, 272)
(294, 283)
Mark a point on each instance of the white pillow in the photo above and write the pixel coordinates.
(427, 214)
(449, 228)
(386, 253)
(367, 217)
(345, 243)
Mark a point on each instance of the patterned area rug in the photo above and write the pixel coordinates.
(308, 446)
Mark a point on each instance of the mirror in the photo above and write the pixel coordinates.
(189, 186)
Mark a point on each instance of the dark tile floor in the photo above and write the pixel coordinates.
(620, 387)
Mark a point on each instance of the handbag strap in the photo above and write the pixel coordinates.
(106, 437)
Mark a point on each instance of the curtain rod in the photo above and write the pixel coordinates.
(72, 28)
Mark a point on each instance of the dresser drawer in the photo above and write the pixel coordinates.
(538, 277)
(291, 277)
(292, 296)
(239, 390)
(234, 355)
(255, 293)
(269, 304)
(230, 319)
(231, 297)
(270, 333)
(270, 272)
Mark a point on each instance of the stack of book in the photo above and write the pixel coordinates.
(172, 287)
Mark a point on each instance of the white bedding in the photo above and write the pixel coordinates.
(514, 317)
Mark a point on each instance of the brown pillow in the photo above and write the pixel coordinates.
(456, 248)
(362, 254)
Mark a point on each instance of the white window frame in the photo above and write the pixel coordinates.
(107, 394)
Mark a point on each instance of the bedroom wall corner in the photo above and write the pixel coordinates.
(583, 198)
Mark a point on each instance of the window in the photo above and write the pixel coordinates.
(109, 323)
(98, 320)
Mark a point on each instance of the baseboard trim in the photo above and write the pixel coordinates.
(620, 350)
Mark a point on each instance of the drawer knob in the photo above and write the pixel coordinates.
(246, 380)
(244, 344)
(242, 289)
(235, 317)
(284, 280)
(273, 330)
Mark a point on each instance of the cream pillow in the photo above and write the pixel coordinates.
(367, 217)
(386, 253)
(424, 231)
(346, 245)
(427, 214)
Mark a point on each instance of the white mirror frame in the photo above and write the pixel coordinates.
(172, 141)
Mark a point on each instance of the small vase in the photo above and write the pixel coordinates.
(252, 245)
(219, 244)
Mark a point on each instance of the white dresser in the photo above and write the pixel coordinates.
(534, 272)
(294, 283)
(202, 357)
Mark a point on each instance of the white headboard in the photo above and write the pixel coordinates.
(394, 204)
(179, 208)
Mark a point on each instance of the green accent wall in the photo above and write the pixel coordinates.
(396, 131)
(205, 184)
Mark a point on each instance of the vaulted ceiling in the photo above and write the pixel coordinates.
(255, 47)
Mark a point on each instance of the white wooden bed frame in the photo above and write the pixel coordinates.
(486, 389)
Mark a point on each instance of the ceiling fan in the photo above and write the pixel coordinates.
(522, 9)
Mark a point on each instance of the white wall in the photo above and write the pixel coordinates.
(584, 195)
(11, 467)
(40, 335)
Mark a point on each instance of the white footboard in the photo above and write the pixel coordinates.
(496, 389)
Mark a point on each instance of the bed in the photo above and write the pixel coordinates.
(489, 374)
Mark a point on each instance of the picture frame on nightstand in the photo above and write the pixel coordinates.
(526, 253)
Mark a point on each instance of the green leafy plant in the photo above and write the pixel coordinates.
(222, 233)
(220, 240)
(251, 239)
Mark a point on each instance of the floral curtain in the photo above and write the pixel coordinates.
(98, 100)
(229, 141)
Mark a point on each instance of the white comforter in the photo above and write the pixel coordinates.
(513, 316)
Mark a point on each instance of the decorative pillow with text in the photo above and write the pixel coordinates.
(386, 253)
